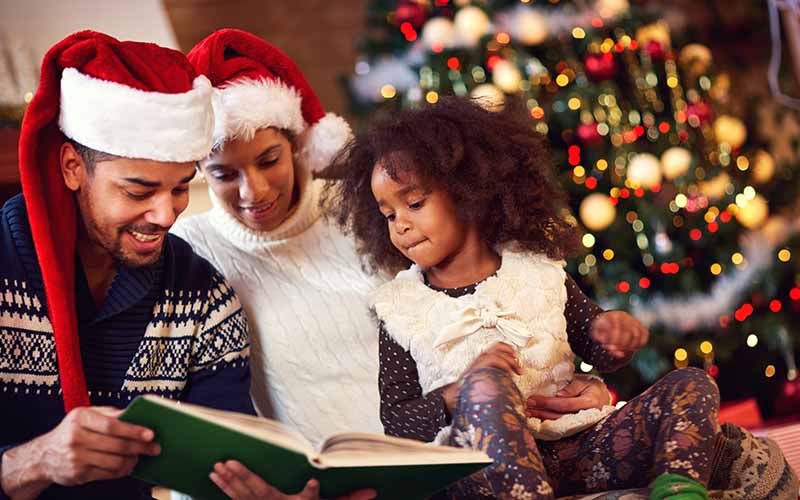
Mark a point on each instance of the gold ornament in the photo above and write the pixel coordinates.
(611, 8)
(438, 33)
(720, 88)
(776, 229)
(715, 188)
(763, 167)
(488, 96)
(507, 76)
(658, 32)
(730, 130)
(529, 27)
(471, 23)
(675, 162)
(645, 170)
(597, 212)
(753, 213)
(695, 59)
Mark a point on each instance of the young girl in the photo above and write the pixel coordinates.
(464, 196)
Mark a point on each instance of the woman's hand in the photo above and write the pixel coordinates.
(500, 355)
(620, 334)
(239, 483)
(582, 393)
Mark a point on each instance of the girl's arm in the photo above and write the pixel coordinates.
(580, 312)
(405, 412)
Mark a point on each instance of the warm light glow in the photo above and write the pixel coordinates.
(502, 38)
(743, 163)
(562, 80)
(737, 258)
(585, 367)
(769, 371)
(601, 165)
(578, 171)
(578, 33)
(432, 97)
(752, 340)
(608, 254)
(388, 91)
(681, 354)
(716, 269)
(681, 200)
(574, 103)
(706, 347)
(784, 255)
(588, 240)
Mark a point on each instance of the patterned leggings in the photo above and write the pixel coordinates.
(669, 428)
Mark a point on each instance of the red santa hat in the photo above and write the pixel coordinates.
(257, 86)
(131, 99)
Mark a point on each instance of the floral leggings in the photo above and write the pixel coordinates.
(669, 428)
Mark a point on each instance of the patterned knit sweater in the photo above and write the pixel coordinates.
(175, 329)
(315, 348)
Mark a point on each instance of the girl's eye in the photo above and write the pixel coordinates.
(390, 217)
(417, 205)
(180, 190)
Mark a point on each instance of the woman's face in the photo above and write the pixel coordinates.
(254, 180)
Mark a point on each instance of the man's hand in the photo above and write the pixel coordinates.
(581, 394)
(619, 333)
(90, 444)
(500, 355)
(239, 483)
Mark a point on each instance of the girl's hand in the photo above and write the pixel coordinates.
(619, 333)
(239, 483)
(501, 356)
(582, 393)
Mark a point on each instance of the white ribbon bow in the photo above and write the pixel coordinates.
(469, 319)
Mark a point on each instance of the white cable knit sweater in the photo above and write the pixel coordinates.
(314, 348)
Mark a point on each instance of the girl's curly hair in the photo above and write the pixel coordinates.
(495, 168)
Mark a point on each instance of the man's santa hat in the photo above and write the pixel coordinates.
(257, 86)
(131, 99)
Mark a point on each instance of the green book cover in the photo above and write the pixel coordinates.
(194, 438)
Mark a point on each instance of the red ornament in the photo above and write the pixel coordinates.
(600, 67)
(410, 12)
(588, 134)
(701, 110)
(655, 50)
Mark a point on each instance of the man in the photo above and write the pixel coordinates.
(98, 303)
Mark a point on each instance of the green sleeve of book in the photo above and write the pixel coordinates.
(190, 446)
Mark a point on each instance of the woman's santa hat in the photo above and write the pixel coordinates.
(131, 99)
(257, 86)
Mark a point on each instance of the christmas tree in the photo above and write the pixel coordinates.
(687, 222)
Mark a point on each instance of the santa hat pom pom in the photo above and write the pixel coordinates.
(322, 141)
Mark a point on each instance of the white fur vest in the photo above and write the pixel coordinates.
(522, 305)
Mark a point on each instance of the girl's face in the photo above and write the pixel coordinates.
(254, 180)
(423, 223)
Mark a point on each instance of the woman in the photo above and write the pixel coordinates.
(300, 279)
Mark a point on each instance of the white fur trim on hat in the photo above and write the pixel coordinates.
(321, 142)
(123, 121)
(246, 106)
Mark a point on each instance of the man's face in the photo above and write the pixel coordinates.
(128, 205)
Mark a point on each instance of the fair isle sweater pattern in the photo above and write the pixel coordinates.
(190, 328)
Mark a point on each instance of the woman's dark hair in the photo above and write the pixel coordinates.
(493, 165)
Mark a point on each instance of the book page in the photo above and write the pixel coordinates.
(362, 449)
(257, 427)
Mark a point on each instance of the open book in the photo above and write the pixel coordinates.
(194, 438)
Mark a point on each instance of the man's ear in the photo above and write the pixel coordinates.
(73, 168)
